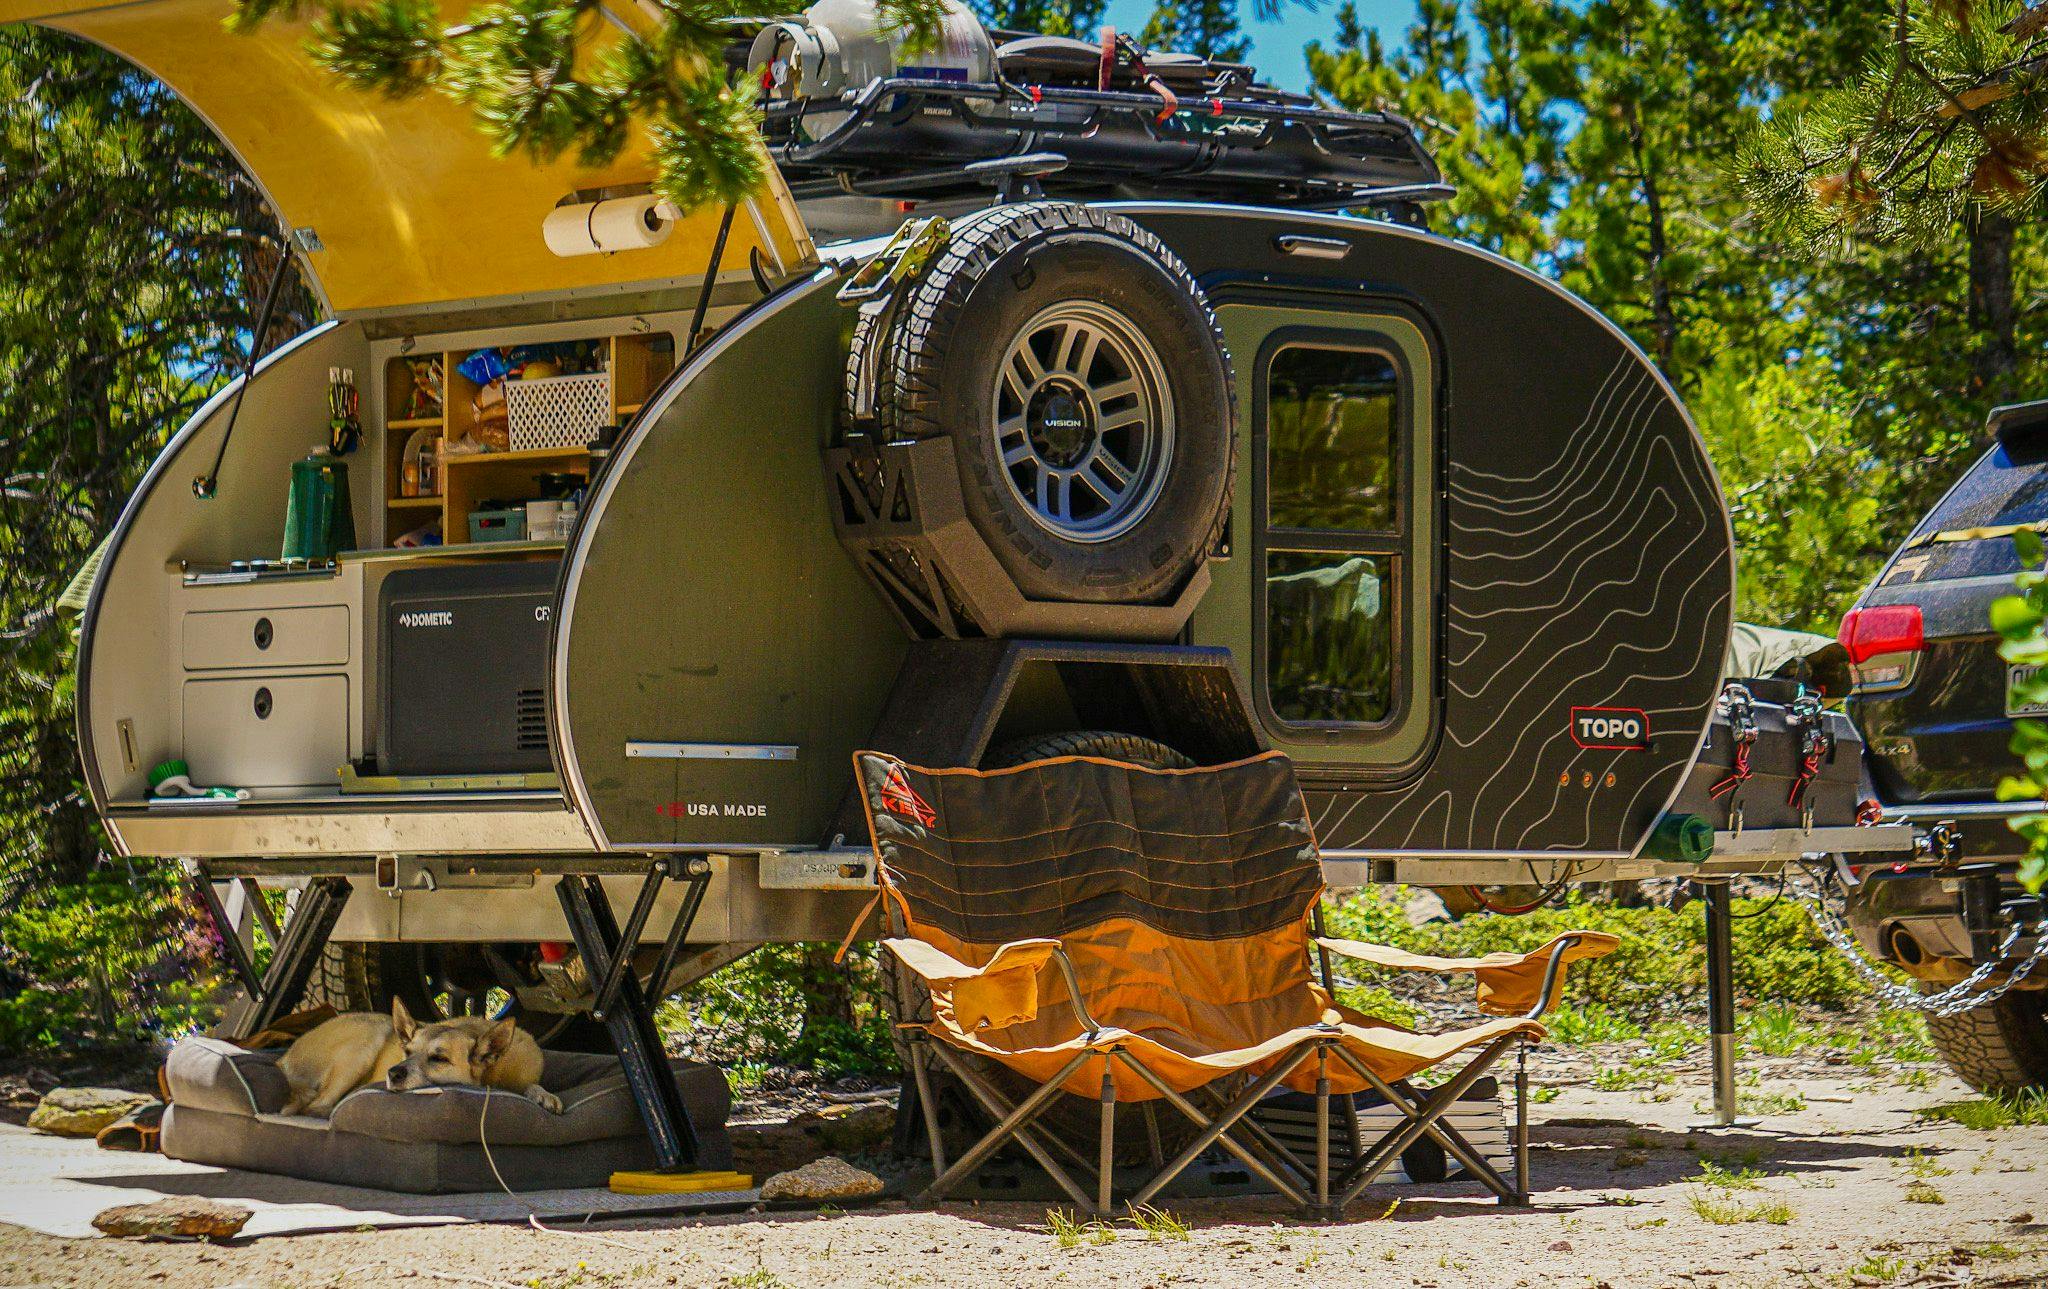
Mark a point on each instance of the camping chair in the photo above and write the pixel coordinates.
(1135, 936)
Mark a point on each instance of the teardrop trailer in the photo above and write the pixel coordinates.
(1125, 443)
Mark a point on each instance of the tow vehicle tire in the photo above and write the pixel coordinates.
(1079, 371)
(1999, 1047)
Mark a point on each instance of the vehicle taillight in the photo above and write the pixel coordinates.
(1889, 628)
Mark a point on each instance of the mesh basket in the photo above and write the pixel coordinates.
(558, 412)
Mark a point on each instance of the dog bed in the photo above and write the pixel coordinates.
(225, 1103)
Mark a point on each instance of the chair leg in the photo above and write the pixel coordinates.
(1445, 1134)
(1277, 1155)
(1155, 1150)
(1216, 1130)
(1521, 1126)
(920, 1070)
(1106, 1166)
(1013, 1120)
(1322, 1132)
(1389, 1147)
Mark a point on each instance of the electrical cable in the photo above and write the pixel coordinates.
(532, 1215)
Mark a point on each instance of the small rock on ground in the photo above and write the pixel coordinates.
(855, 1128)
(82, 1112)
(829, 1178)
(184, 1217)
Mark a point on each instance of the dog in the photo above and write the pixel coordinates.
(362, 1049)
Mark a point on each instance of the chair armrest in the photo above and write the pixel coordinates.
(1002, 993)
(1509, 984)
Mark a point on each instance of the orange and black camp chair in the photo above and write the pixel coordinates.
(1135, 935)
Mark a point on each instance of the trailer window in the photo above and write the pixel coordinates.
(1333, 543)
(1330, 638)
(1330, 438)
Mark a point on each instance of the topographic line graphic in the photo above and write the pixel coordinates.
(1628, 436)
(1625, 365)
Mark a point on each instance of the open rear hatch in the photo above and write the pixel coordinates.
(297, 680)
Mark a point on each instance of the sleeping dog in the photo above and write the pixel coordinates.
(358, 1049)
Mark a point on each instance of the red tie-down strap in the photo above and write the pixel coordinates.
(1739, 706)
(1815, 744)
(1739, 775)
(1112, 46)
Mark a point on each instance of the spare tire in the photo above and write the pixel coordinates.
(1079, 371)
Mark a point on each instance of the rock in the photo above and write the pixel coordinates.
(829, 1178)
(1561, 1246)
(82, 1112)
(183, 1217)
(855, 1128)
(1425, 906)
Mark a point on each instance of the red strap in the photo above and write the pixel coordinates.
(1108, 65)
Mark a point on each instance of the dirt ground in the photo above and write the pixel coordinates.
(1855, 1186)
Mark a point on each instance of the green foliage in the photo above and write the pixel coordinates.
(1779, 956)
(548, 78)
(1807, 490)
(1205, 27)
(1592, 1023)
(101, 962)
(1983, 1114)
(1951, 113)
(134, 249)
(790, 1005)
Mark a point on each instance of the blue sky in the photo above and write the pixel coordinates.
(1276, 46)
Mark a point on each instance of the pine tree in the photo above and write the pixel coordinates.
(134, 247)
(1205, 27)
(539, 82)
(1947, 123)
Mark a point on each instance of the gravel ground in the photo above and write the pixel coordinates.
(1843, 1182)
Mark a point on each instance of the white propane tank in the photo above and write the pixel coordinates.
(842, 45)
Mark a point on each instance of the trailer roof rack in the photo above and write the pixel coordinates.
(1181, 128)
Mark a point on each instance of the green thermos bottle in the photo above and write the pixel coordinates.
(319, 519)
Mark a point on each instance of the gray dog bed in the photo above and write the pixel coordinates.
(224, 1104)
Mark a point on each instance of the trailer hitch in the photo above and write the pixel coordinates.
(1941, 845)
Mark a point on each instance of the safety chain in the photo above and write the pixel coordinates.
(1957, 998)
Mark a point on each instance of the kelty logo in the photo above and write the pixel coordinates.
(899, 798)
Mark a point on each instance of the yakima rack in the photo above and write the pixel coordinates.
(929, 138)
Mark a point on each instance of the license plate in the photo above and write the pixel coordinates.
(2015, 676)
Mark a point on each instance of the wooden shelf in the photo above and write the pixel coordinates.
(415, 423)
(536, 456)
(409, 502)
(632, 409)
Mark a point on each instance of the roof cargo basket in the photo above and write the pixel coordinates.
(1127, 123)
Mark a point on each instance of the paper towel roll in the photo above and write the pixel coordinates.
(623, 224)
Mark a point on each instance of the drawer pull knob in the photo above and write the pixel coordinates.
(264, 633)
(263, 704)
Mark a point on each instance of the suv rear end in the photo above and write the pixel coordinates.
(1934, 702)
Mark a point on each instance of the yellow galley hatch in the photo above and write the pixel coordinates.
(399, 206)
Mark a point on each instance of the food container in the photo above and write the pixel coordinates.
(507, 525)
(543, 520)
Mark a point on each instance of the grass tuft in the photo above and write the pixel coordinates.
(2000, 1110)
(1725, 1210)
(1923, 1193)
(1071, 1234)
(1158, 1224)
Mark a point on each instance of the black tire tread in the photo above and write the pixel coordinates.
(347, 979)
(917, 342)
(2001, 1046)
(1108, 744)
